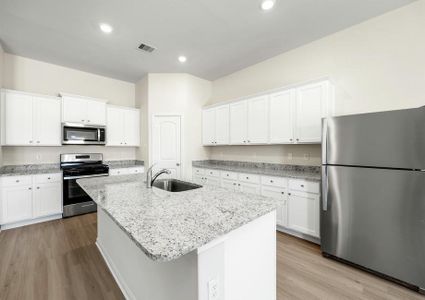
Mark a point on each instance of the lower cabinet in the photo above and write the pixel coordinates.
(250, 188)
(126, 171)
(232, 185)
(278, 194)
(27, 198)
(304, 213)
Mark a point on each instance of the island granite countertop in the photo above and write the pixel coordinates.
(311, 173)
(165, 225)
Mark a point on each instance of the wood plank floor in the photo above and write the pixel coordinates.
(59, 260)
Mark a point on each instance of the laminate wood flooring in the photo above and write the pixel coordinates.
(59, 260)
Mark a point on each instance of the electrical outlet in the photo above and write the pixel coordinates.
(306, 156)
(290, 155)
(213, 291)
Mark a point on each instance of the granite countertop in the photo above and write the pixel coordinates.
(311, 173)
(166, 225)
(117, 164)
(16, 170)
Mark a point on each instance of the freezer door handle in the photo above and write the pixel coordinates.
(324, 141)
(325, 188)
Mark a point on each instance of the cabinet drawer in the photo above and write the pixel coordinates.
(212, 173)
(274, 181)
(115, 172)
(46, 178)
(197, 171)
(137, 170)
(250, 178)
(304, 186)
(229, 175)
(16, 180)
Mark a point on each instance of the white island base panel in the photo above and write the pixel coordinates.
(241, 265)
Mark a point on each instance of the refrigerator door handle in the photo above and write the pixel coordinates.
(325, 141)
(324, 188)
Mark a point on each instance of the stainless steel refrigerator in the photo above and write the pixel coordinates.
(373, 193)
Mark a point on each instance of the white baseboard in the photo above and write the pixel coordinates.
(117, 276)
(29, 222)
(298, 234)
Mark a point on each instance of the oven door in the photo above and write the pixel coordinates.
(79, 134)
(75, 199)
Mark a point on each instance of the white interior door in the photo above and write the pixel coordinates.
(166, 140)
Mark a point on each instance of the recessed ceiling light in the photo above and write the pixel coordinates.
(182, 59)
(267, 4)
(106, 28)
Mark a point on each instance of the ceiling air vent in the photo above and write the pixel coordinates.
(146, 48)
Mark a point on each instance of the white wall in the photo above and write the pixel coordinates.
(142, 102)
(1, 84)
(182, 94)
(29, 75)
(376, 65)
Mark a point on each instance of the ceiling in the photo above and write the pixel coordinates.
(217, 36)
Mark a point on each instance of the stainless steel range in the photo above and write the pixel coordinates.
(75, 166)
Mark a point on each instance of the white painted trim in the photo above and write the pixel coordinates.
(128, 294)
(30, 222)
(182, 138)
(271, 91)
(30, 94)
(61, 94)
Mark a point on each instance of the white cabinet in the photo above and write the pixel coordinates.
(258, 116)
(281, 117)
(238, 123)
(79, 109)
(17, 204)
(30, 120)
(281, 195)
(232, 185)
(123, 126)
(47, 200)
(304, 213)
(29, 199)
(250, 188)
(126, 171)
(311, 106)
(215, 126)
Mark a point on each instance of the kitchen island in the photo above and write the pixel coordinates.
(207, 243)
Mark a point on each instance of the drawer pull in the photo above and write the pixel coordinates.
(38, 188)
(30, 188)
(48, 178)
(283, 193)
(247, 178)
(271, 181)
(17, 180)
(302, 185)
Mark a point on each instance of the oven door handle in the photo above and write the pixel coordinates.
(84, 176)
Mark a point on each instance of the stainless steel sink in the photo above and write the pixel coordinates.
(174, 185)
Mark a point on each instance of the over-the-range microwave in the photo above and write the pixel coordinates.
(83, 134)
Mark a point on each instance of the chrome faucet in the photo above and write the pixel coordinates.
(151, 179)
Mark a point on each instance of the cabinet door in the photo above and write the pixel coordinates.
(280, 117)
(208, 127)
(47, 121)
(310, 103)
(16, 204)
(303, 213)
(47, 199)
(198, 179)
(96, 112)
(18, 119)
(281, 195)
(230, 184)
(222, 125)
(258, 117)
(132, 127)
(238, 122)
(115, 126)
(214, 181)
(250, 188)
(74, 109)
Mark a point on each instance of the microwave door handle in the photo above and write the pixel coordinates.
(98, 134)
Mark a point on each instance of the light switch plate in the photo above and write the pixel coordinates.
(213, 291)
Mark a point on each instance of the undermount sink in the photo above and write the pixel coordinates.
(174, 185)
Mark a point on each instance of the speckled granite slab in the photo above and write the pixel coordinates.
(117, 164)
(291, 171)
(13, 170)
(166, 225)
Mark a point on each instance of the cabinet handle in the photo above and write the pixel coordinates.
(289, 194)
(283, 193)
(291, 140)
(249, 141)
(247, 178)
(48, 178)
(271, 181)
(302, 185)
(30, 188)
(82, 120)
(30, 142)
(297, 140)
(88, 121)
(17, 180)
(239, 184)
(38, 142)
(38, 188)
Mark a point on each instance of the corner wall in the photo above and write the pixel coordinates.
(376, 65)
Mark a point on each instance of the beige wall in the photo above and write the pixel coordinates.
(376, 65)
(29, 75)
(142, 102)
(185, 95)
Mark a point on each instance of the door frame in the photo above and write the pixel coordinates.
(151, 137)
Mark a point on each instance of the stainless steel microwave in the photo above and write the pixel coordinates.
(82, 134)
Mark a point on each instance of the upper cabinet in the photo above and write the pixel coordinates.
(79, 109)
(291, 116)
(30, 120)
(123, 126)
(215, 125)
